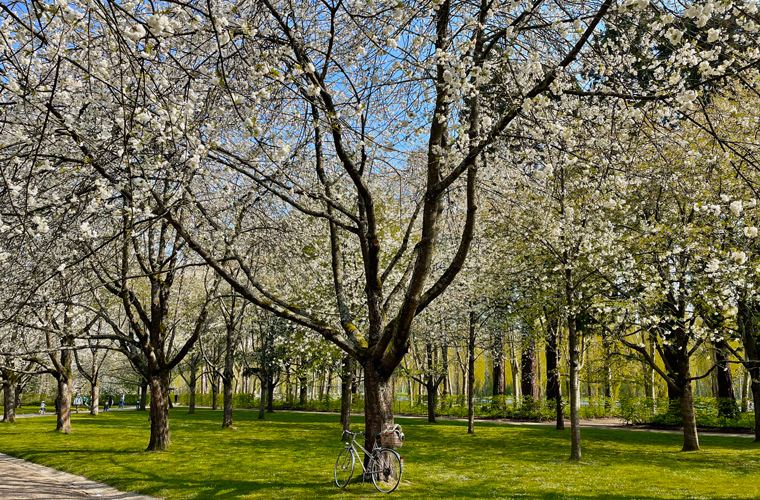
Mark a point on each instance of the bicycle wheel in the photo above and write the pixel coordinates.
(386, 469)
(344, 468)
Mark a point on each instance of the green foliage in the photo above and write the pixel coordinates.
(291, 455)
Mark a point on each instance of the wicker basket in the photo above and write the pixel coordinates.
(392, 437)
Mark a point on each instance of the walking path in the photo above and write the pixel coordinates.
(22, 480)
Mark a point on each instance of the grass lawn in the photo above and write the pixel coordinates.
(291, 455)
(28, 409)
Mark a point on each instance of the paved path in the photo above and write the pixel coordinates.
(22, 480)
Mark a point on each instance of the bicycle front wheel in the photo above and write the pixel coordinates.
(344, 468)
(386, 470)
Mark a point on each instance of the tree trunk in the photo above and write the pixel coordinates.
(302, 391)
(499, 366)
(345, 392)
(515, 368)
(263, 397)
(214, 391)
(430, 386)
(192, 386)
(94, 397)
(9, 403)
(19, 393)
(529, 369)
(378, 404)
(160, 434)
(329, 384)
(143, 395)
(756, 401)
(727, 406)
(471, 376)
(270, 394)
(690, 437)
(227, 398)
(575, 387)
(553, 382)
(607, 372)
(63, 413)
(431, 398)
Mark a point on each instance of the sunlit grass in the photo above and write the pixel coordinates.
(292, 455)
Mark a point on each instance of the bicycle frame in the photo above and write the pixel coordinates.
(352, 446)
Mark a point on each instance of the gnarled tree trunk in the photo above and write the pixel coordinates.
(160, 433)
(378, 404)
(65, 383)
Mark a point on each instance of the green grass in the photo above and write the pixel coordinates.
(292, 455)
(28, 409)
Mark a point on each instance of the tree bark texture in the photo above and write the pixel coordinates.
(160, 434)
(65, 383)
(727, 406)
(192, 387)
(378, 404)
(143, 395)
(345, 392)
(214, 391)
(94, 398)
(9, 402)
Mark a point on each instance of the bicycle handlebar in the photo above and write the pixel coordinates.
(360, 433)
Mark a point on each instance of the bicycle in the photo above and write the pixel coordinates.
(385, 465)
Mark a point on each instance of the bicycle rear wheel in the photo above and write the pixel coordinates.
(344, 468)
(386, 470)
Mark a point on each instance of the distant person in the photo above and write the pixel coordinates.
(78, 402)
(86, 402)
(110, 402)
(121, 402)
(42, 408)
(105, 404)
(137, 404)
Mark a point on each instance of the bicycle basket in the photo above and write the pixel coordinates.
(392, 437)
